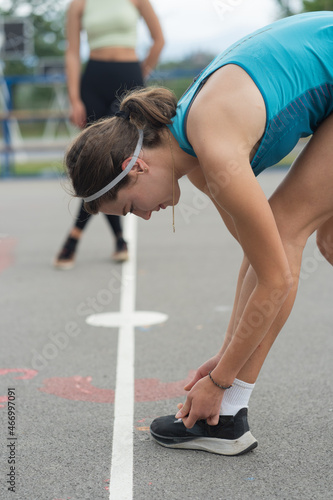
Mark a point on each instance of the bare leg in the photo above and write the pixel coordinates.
(251, 369)
(75, 233)
(234, 315)
(301, 204)
(325, 240)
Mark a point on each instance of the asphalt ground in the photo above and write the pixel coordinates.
(62, 371)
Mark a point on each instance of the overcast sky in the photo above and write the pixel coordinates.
(208, 25)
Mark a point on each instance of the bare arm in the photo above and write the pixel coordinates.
(222, 133)
(257, 233)
(73, 62)
(154, 26)
(198, 180)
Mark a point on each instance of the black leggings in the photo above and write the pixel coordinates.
(101, 84)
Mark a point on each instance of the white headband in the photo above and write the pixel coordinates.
(117, 179)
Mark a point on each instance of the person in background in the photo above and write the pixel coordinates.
(113, 67)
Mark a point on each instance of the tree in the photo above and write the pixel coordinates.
(313, 5)
(47, 18)
(288, 9)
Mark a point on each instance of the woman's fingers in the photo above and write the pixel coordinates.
(183, 410)
(214, 420)
(189, 386)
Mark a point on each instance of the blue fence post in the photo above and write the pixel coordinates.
(7, 95)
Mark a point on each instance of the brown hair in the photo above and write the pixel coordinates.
(96, 155)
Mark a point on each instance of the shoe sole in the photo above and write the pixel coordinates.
(64, 266)
(229, 447)
(120, 257)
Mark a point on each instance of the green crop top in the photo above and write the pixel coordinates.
(110, 23)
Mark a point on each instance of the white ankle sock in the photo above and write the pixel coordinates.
(236, 398)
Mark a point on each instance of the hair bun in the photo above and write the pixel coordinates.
(123, 114)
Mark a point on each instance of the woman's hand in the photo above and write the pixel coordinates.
(78, 115)
(203, 402)
(153, 24)
(146, 69)
(203, 371)
(204, 399)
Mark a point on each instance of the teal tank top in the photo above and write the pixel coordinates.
(291, 62)
(110, 23)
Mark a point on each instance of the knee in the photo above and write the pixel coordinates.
(325, 244)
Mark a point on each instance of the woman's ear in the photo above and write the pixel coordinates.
(140, 167)
(125, 163)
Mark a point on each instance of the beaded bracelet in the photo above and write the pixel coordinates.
(224, 388)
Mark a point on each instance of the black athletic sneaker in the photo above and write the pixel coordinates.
(66, 258)
(121, 252)
(231, 436)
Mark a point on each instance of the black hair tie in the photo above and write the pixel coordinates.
(123, 114)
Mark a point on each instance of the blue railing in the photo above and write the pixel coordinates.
(10, 114)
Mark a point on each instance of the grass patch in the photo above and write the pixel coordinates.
(27, 169)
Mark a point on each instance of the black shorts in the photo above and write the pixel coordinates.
(104, 82)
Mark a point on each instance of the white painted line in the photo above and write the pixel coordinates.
(136, 318)
(121, 478)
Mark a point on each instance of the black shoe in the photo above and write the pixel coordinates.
(231, 436)
(66, 258)
(121, 253)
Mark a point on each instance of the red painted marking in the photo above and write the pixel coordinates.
(152, 389)
(79, 388)
(3, 399)
(27, 375)
(7, 246)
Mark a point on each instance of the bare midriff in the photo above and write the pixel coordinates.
(119, 54)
